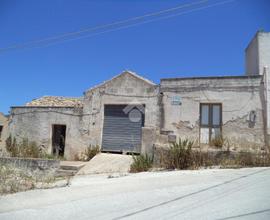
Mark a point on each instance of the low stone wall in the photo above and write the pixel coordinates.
(30, 163)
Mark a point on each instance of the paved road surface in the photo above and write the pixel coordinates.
(204, 194)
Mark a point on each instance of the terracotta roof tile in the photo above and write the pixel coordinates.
(57, 101)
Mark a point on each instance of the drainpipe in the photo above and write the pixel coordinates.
(266, 94)
(161, 111)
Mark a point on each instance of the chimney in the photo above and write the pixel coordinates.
(257, 54)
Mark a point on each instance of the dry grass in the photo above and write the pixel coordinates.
(24, 149)
(14, 180)
(27, 149)
(181, 156)
(218, 141)
(88, 153)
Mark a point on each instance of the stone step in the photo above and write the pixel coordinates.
(65, 173)
(70, 167)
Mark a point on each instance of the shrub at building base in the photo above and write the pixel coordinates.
(141, 163)
(218, 142)
(88, 153)
(25, 149)
(180, 155)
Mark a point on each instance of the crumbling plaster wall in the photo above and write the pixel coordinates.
(4, 134)
(35, 123)
(124, 89)
(238, 95)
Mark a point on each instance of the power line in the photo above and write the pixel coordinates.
(137, 24)
(87, 30)
(114, 26)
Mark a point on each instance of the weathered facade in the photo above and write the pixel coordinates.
(3, 133)
(236, 98)
(132, 114)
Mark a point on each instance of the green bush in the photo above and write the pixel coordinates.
(180, 155)
(141, 163)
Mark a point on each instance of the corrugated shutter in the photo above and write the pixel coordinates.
(119, 132)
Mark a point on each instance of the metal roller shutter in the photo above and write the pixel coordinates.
(119, 132)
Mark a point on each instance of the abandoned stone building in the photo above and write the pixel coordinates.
(132, 114)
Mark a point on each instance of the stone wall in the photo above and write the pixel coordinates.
(29, 163)
(4, 134)
(35, 123)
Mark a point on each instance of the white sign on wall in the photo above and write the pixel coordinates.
(176, 100)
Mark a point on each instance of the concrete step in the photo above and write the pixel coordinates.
(107, 163)
(65, 173)
(69, 168)
(71, 165)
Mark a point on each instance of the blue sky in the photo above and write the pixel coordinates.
(206, 42)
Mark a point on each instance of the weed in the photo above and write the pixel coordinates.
(88, 153)
(14, 179)
(218, 141)
(141, 163)
(180, 155)
(24, 149)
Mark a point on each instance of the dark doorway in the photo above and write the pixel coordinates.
(1, 129)
(58, 139)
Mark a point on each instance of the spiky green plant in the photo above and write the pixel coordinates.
(180, 154)
(141, 163)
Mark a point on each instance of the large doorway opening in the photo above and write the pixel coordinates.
(58, 140)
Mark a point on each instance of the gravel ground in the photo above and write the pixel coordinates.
(201, 194)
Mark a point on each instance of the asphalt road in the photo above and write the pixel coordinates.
(203, 194)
